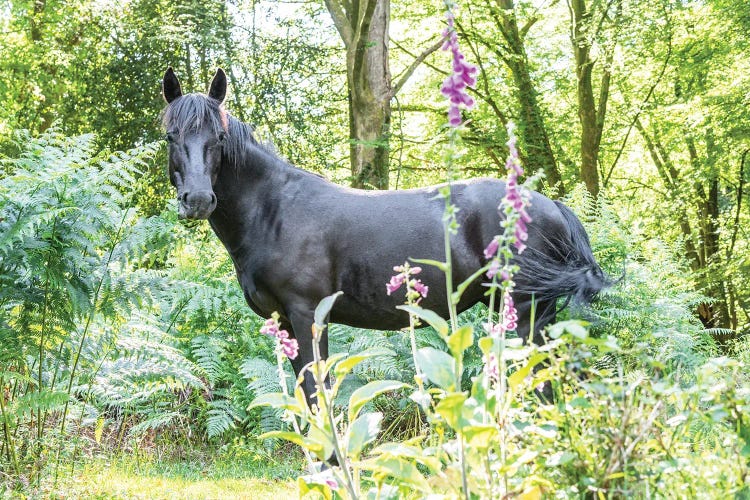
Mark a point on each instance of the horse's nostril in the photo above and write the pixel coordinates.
(184, 197)
(213, 199)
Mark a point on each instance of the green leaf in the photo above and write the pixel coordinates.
(560, 458)
(332, 360)
(403, 471)
(277, 400)
(324, 307)
(347, 365)
(515, 378)
(295, 438)
(460, 289)
(313, 490)
(362, 431)
(461, 340)
(431, 317)
(438, 366)
(486, 344)
(451, 409)
(366, 393)
(322, 438)
(414, 452)
(575, 328)
(429, 262)
(480, 436)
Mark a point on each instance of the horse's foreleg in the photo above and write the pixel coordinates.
(301, 326)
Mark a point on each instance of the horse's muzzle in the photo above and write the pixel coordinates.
(196, 204)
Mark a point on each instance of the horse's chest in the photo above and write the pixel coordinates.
(260, 301)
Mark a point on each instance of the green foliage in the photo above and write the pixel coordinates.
(652, 302)
(105, 323)
(609, 431)
(63, 213)
(126, 327)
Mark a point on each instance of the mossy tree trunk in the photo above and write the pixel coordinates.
(532, 130)
(363, 26)
(586, 27)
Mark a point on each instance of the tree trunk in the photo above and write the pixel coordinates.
(363, 26)
(583, 32)
(715, 314)
(670, 176)
(590, 134)
(532, 130)
(35, 21)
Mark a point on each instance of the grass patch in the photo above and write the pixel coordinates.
(98, 481)
(224, 473)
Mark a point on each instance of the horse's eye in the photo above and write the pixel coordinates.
(222, 137)
(169, 137)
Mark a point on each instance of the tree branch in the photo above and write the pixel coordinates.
(640, 109)
(341, 21)
(740, 187)
(414, 65)
(361, 37)
(526, 27)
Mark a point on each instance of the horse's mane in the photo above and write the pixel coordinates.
(191, 112)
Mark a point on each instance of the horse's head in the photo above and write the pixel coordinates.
(196, 128)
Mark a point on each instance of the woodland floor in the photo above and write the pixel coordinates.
(225, 476)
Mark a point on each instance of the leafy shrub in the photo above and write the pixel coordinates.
(108, 327)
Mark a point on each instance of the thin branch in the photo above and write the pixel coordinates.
(603, 18)
(414, 65)
(644, 185)
(640, 109)
(741, 181)
(412, 54)
(338, 14)
(526, 27)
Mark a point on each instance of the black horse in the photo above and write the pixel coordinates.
(295, 238)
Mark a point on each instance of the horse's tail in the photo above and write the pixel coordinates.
(566, 268)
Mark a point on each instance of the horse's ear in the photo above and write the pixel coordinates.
(218, 89)
(170, 86)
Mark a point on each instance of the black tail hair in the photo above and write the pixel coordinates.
(567, 269)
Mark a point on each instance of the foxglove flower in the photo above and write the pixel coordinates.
(513, 206)
(415, 289)
(509, 320)
(395, 283)
(420, 288)
(463, 76)
(493, 368)
(287, 345)
(516, 197)
(491, 249)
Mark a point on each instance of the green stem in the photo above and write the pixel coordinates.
(42, 334)
(413, 336)
(501, 393)
(322, 395)
(8, 439)
(448, 220)
(295, 425)
(89, 319)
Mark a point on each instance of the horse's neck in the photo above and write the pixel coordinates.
(244, 191)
